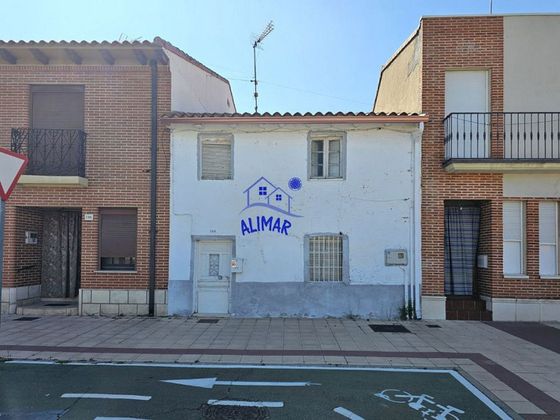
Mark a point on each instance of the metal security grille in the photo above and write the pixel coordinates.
(325, 258)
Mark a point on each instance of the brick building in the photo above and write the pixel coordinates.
(79, 224)
(490, 162)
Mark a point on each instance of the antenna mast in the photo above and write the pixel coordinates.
(269, 28)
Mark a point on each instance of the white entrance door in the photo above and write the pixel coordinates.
(467, 91)
(213, 276)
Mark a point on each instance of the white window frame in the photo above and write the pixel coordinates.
(344, 260)
(325, 137)
(555, 244)
(522, 242)
(221, 138)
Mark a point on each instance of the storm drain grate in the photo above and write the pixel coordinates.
(57, 304)
(207, 321)
(27, 318)
(386, 328)
(433, 326)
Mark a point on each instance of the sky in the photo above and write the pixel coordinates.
(323, 55)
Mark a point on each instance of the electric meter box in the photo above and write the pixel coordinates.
(236, 265)
(396, 257)
(31, 238)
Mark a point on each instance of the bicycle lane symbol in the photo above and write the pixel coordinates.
(422, 403)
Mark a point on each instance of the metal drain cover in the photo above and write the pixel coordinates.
(207, 321)
(433, 326)
(56, 304)
(388, 328)
(27, 318)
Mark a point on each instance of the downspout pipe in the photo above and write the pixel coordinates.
(417, 223)
(153, 190)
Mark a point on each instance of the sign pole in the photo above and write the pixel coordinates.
(2, 220)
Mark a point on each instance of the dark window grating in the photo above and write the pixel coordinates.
(27, 318)
(395, 328)
(433, 326)
(207, 321)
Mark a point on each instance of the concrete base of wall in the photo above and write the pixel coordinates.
(433, 307)
(17, 296)
(316, 300)
(511, 309)
(180, 297)
(120, 302)
(281, 299)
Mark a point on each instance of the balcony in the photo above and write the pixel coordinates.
(57, 157)
(502, 142)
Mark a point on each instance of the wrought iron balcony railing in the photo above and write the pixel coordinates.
(56, 152)
(502, 135)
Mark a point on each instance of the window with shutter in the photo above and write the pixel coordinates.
(117, 239)
(215, 161)
(514, 237)
(57, 107)
(548, 238)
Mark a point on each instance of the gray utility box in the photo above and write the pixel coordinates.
(396, 257)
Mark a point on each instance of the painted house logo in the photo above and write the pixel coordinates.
(263, 193)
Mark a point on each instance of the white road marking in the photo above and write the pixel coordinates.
(117, 418)
(211, 382)
(272, 404)
(108, 396)
(347, 413)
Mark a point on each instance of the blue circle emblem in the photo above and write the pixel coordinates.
(294, 184)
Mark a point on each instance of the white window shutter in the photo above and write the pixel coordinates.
(513, 237)
(215, 159)
(548, 238)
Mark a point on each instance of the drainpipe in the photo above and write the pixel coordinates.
(416, 269)
(153, 190)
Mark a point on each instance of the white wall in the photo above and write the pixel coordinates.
(195, 90)
(373, 205)
(531, 63)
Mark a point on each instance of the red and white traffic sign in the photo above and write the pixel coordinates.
(12, 166)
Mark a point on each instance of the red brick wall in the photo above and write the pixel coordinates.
(29, 257)
(117, 121)
(456, 43)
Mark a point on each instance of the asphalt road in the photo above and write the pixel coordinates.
(85, 391)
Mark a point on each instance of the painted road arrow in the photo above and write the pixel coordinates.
(211, 382)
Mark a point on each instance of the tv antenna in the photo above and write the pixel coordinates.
(269, 28)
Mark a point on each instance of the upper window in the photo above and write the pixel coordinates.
(548, 239)
(326, 257)
(215, 160)
(514, 237)
(117, 239)
(326, 158)
(57, 107)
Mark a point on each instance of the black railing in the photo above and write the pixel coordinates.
(57, 152)
(502, 135)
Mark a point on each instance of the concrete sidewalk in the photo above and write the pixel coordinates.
(523, 375)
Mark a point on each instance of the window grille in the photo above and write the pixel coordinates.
(325, 258)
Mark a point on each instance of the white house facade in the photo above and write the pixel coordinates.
(294, 215)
